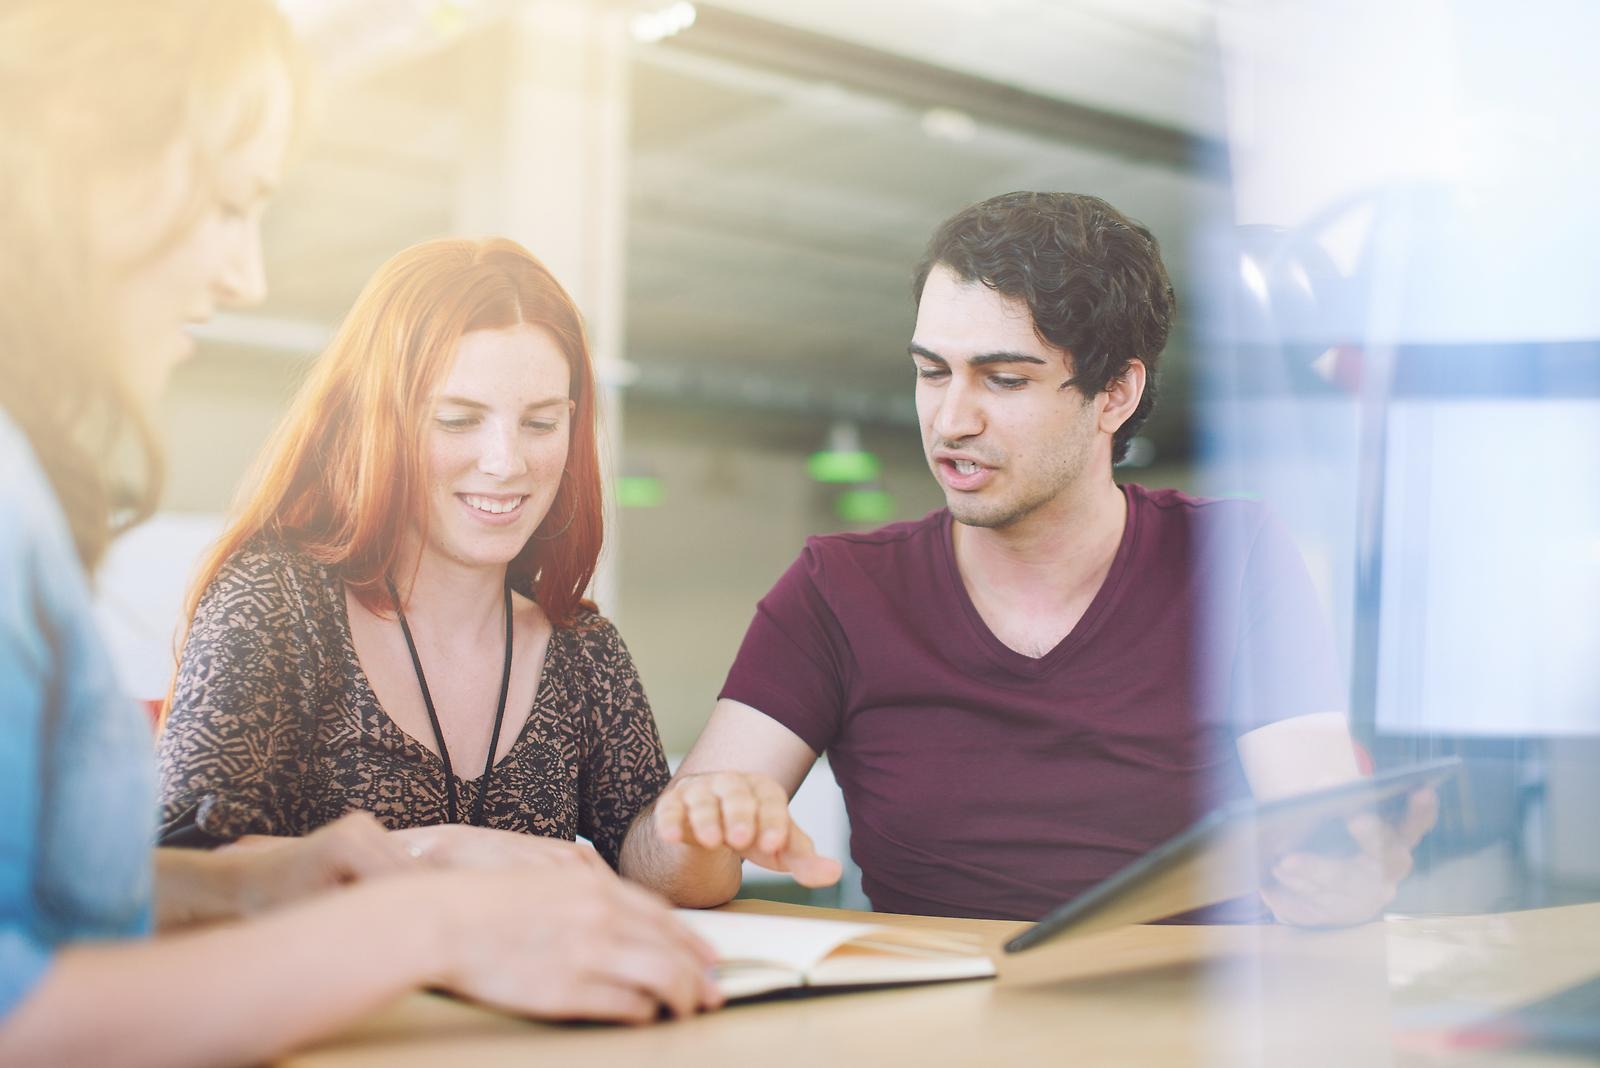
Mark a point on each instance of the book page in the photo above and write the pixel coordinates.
(763, 953)
(794, 942)
(857, 964)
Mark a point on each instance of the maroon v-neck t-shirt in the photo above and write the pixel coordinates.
(983, 782)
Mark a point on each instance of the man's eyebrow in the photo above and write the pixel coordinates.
(983, 359)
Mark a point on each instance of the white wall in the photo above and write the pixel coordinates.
(735, 516)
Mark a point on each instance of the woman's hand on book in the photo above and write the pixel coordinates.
(262, 872)
(268, 871)
(568, 943)
(459, 845)
(746, 812)
(271, 871)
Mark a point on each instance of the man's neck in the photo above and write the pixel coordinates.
(1059, 552)
(453, 600)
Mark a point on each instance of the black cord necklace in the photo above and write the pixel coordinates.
(451, 803)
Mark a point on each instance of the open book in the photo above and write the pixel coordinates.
(762, 954)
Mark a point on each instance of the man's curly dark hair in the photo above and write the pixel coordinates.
(1091, 276)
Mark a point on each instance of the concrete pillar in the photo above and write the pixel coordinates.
(546, 165)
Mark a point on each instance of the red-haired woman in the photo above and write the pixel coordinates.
(394, 621)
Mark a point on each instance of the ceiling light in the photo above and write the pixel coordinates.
(949, 124)
(844, 460)
(640, 491)
(648, 27)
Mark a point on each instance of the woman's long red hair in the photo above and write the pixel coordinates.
(346, 471)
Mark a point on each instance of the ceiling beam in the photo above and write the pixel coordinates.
(744, 39)
(682, 383)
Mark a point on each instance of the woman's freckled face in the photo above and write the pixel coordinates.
(498, 444)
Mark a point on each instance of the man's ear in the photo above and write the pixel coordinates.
(1118, 402)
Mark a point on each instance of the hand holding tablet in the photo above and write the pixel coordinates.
(1279, 848)
(1321, 887)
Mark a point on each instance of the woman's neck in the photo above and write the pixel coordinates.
(451, 598)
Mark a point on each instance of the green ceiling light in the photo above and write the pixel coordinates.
(864, 506)
(844, 460)
(830, 466)
(640, 491)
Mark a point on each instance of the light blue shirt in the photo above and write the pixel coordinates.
(77, 775)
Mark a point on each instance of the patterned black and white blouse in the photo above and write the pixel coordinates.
(274, 728)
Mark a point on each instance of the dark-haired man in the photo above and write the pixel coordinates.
(1013, 691)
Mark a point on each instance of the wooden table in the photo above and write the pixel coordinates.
(1149, 995)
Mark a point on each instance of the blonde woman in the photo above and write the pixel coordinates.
(141, 140)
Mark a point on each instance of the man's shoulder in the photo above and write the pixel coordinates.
(847, 563)
(1219, 535)
(908, 536)
(1176, 503)
(1177, 511)
(883, 552)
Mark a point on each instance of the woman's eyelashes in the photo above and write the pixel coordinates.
(458, 423)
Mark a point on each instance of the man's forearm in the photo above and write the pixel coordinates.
(689, 876)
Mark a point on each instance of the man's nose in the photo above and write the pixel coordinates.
(959, 414)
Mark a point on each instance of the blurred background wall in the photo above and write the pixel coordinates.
(736, 194)
(738, 207)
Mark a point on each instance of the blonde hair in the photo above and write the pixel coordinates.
(89, 89)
